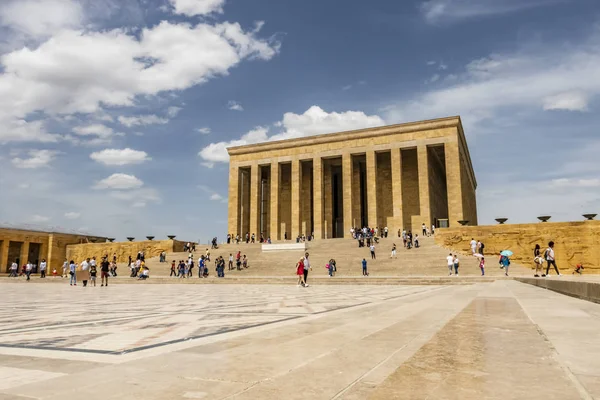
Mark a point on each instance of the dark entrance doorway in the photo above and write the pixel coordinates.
(337, 201)
(14, 253)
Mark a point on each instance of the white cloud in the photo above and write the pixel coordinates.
(431, 62)
(72, 215)
(571, 101)
(173, 111)
(39, 218)
(536, 78)
(24, 186)
(433, 79)
(575, 183)
(235, 106)
(39, 18)
(197, 7)
(120, 156)
(204, 131)
(435, 11)
(347, 87)
(213, 195)
(119, 182)
(142, 195)
(102, 131)
(313, 121)
(37, 159)
(86, 71)
(142, 120)
(139, 204)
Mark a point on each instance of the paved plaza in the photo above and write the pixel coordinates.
(499, 340)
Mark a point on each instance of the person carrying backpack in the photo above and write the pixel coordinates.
(549, 256)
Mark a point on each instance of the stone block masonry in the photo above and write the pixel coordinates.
(575, 242)
(151, 248)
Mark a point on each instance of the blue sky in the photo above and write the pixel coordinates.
(115, 114)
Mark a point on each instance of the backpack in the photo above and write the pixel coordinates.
(546, 254)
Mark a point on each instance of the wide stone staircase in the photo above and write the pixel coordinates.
(417, 264)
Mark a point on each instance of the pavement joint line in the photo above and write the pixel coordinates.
(583, 392)
(180, 340)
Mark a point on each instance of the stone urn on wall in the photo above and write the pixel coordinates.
(501, 221)
(150, 238)
(111, 240)
(131, 239)
(463, 222)
(589, 217)
(544, 218)
(171, 237)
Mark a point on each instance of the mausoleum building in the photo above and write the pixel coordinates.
(399, 176)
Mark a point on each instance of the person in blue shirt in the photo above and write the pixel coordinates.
(364, 265)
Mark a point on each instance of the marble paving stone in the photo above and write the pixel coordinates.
(483, 341)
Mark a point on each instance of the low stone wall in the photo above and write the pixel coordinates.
(575, 242)
(589, 291)
(151, 248)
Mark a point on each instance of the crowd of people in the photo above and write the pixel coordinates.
(88, 269)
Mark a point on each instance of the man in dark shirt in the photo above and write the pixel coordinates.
(104, 267)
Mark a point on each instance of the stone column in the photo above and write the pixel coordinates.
(24, 256)
(347, 189)
(396, 156)
(423, 165)
(233, 206)
(372, 188)
(274, 200)
(296, 180)
(318, 197)
(4, 258)
(453, 183)
(254, 200)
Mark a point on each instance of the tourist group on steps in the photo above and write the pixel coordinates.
(88, 269)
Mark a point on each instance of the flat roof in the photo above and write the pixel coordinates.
(438, 123)
(45, 229)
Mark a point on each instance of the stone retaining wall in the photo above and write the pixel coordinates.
(151, 248)
(575, 242)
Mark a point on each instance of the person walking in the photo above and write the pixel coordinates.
(43, 266)
(28, 269)
(230, 266)
(482, 266)
(300, 272)
(93, 274)
(307, 267)
(538, 261)
(65, 268)
(85, 271)
(450, 261)
(456, 263)
(364, 268)
(201, 266)
(104, 267)
(372, 248)
(393, 251)
(423, 229)
(13, 270)
(73, 273)
(550, 259)
(505, 261)
(173, 272)
(473, 246)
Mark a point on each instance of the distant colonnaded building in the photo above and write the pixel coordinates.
(399, 176)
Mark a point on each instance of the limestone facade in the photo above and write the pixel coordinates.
(151, 248)
(25, 245)
(399, 176)
(575, 242)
